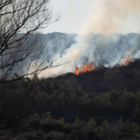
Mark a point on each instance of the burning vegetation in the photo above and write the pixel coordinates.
(127, 61)
(88, 68)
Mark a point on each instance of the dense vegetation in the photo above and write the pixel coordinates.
(99, 105)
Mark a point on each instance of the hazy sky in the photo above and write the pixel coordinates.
(73, 14)
(98, 16)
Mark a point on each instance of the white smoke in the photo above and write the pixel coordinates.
(107, 37)
(113, 16)
(101, 50)
(111, 50)
(68, 58)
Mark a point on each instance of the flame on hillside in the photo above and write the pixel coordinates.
(127, 61)
(88, 68)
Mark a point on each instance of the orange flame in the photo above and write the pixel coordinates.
(127, 61)
(77, 71)
(87, 68)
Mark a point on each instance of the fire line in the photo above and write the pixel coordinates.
(86, 69)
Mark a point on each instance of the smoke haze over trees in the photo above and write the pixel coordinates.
(101, 50)
(41, 96)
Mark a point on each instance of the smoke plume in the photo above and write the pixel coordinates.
(108, 37)
(113, 16)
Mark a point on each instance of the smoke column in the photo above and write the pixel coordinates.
(107, 37)
(113, 16)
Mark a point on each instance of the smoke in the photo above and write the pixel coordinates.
(107, 37)
(111, 50)
(68, 58)
(101, 50)
(113, 16)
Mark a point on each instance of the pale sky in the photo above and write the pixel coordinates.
(73, 13)
(98, 16)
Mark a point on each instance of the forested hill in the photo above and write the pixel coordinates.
(57, 42)
(102, 105)
(107, 79)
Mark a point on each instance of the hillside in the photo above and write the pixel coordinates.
(101, 50)
(102, 104)
(107, 79)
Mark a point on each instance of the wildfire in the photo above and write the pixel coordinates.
(90, 68)
(87, 68)
(127, 61)
(77, 71)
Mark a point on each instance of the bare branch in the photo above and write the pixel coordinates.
(20, 47)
